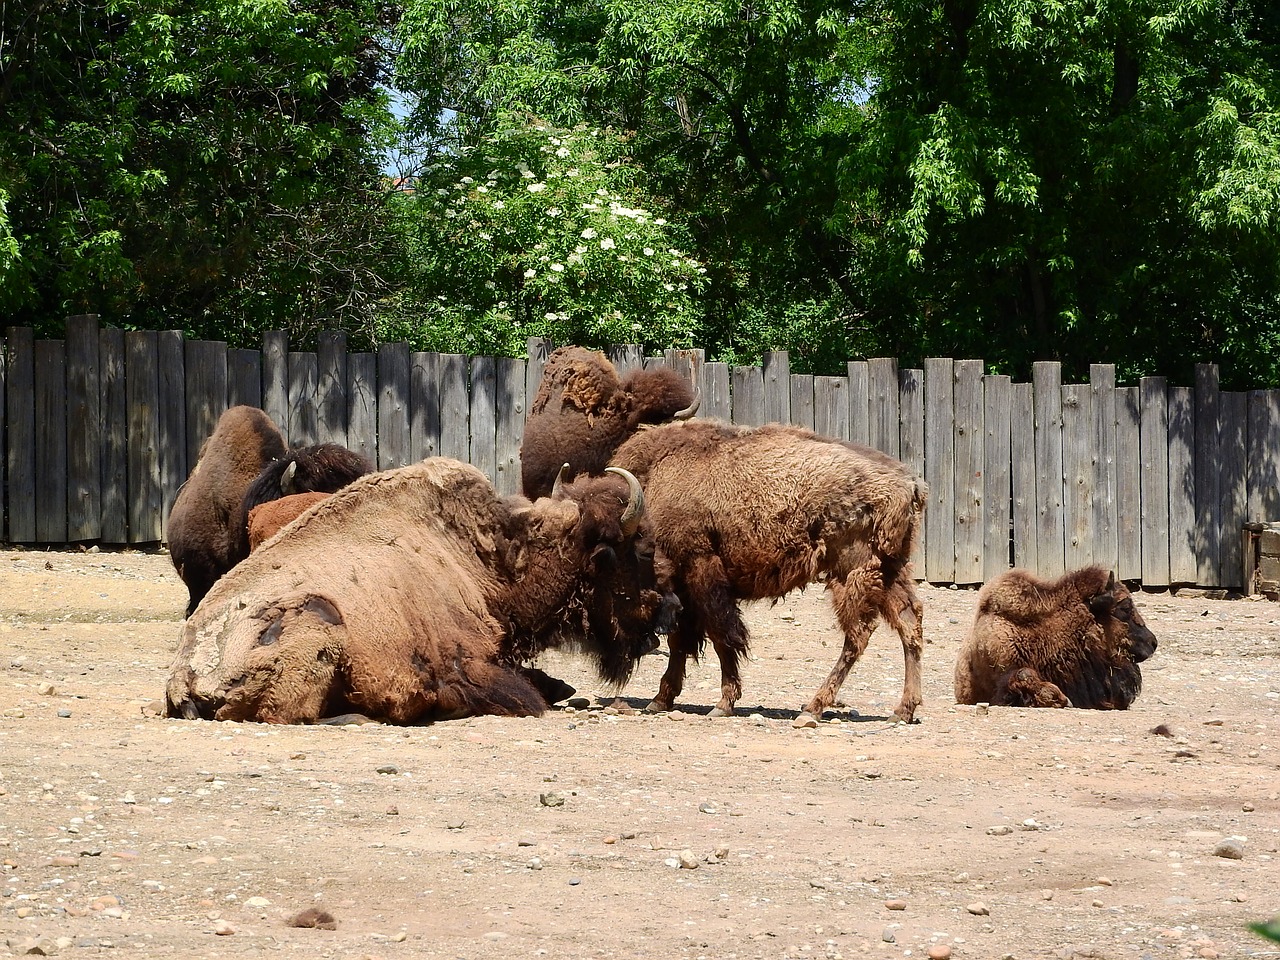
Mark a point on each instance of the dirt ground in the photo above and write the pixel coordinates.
(1018, 833)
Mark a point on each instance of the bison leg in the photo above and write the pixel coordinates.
(905, 613)
(716, 615)
(857, 617)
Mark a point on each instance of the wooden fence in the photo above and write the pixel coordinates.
(1155, 481)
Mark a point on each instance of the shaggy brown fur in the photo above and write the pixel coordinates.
(204, 524)
(749, 514)
(267, 519)
(583, 411)
(1081, 634)
(1025, 687)
(412, 595)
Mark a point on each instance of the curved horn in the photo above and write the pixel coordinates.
(286, 479)
(557, 488)
(691, 409)
(630, 519)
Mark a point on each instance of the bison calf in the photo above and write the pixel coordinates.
(1035, 643)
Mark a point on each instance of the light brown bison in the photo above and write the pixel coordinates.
(746, 514)
(267, 519)
(417, 594)
(204, 528)
(583, 411)
(1080, 637)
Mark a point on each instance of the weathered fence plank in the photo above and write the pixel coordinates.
(539, 351)
(484, 438)
(883, 421)
(776, 371)
(331, 388)
(394, 441)
(509, 375)
(455, 408)
(831, 407)
(1207, 538)
(1130, 535)
(142, 385)
(1022, 446)
(207, 373)
(996, 474)
(84, 426)
(1263, 470)
(748, 396)
(1102, 388)
(1078, 427)
(244, 378)
(51, 440)
(172, 423)
(1153, 445)
(859, 401)
(424, 405)
(970, 462)
(1232, 490)
(911, 449)
(717, 398)
(802, 413)
(362, 405)
(626, 357)
(115, 437)
(20, 412)
(940, 469)
(275, 378)
(1182, 486)
(1050, 534)
(303, 419)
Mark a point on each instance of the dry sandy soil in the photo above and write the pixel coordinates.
(1018, 833)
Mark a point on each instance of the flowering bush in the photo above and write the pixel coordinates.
(536, 232)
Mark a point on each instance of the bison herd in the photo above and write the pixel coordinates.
(322, 591)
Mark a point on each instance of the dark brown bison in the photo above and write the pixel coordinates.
(583, 411)
(267, 519)
(205, 539)
(746, 514)
(1080, 636)
(417, 594)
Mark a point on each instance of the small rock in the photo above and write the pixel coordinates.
(1230, 849)
(1103, 881)
(888, 936)
(257, 902)
(804, 722)
(393, 810)
(551, 799)
(978, 909)
(400, 936)
(982, 709)
(223, 929)
(574, 881)
(388, 768)
(895, 904)
(1001, 830)
(46, 689)
(1098, 903)
(722, 851)
(706, 808)
(1247, 808)
(688, 860)
(939, 951)
(34, 948)
(64, 713)
(14, 713)
(578, 703)
(610, 840)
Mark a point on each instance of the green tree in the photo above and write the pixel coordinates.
(205, 164)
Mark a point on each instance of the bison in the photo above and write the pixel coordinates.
(747, 514)
(417, 594)
(267, 519)
(1076, 640)
(204, 523)
(583, 411)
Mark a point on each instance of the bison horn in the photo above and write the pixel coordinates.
(557, 488)
(630, 519)
(286, 479)
(691, 409)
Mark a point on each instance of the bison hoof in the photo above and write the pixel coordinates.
(656, 707)
(719, 711)
(906, 714)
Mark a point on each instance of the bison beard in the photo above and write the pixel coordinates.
(1080, 637)
(741, 514)
(414, 595)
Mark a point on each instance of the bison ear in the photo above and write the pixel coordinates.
(1100, 604)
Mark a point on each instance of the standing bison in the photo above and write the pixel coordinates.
(747, 514)
(204, 528)
(1074, 641)
(417, 594)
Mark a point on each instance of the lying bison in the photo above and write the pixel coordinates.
(583, 411)
(747, 514)
(416, 594)
(205, 539)
(1035, 643)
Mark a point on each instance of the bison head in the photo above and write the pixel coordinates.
(584, 411)
(1126, 631)
(623, 598)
